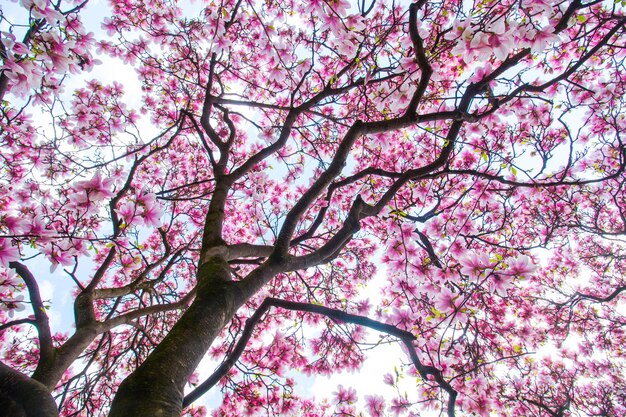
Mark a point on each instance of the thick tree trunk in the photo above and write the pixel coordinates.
(155, 389)
(21, 396)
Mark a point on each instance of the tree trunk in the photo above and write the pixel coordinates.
(155, 389)
(21, 396)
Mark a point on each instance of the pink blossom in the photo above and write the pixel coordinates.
(90, 191)
(347, 395)
(126, 211)
(8, 252)
(339, 6)
(543, 38)
(152, 212)
(473, 265)
(375, 405)
(16, 224)
(482, 405)
(276, 74)
(130, 262)
(388, 379)
(58, 255)
(399, 406)
(99, 188)
(500, 283)
(521, 266)
(12, 306)
(481, 73)
(445, 301)
(10, 278)
(20, 48)
(402, 318)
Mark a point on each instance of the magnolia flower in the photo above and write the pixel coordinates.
(543, 39)
(9, 279)
(8, 252)
(347, 395)
(445, 301)
(16, 225)
(473, 265)
(500, 283)
(91, 191)
(375, 405)
(13, 305)
(388, 379)
(399, 405)
(152, 211)
(129, 262)
(58, 255)
(97, 188)
(339, 6)
(126, 211)
(521, 266)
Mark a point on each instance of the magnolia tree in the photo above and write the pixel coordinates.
(301, 182)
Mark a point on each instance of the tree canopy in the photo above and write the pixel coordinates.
(283, 186)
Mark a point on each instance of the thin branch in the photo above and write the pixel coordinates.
(127, 318)
(17, 323)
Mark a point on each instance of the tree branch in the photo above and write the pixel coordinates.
(406, 337)
(128, 317)
(17, 323)
(42, 323)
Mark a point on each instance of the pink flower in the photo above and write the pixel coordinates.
(9, 279)
(276, 74)
(13, 305)
(20, 48)
(375, 405)
(152, 212)
(127, 212)
(543, 38)
(130, 263)
(522, 266)
(482, 406)
(152, 216)
(58, 255)
(340, 6)
(388, 379)
(500, 283)
(8, 252)
(402, 318)
(481, 73)
(96, 188)
(15, 225)
(347, 395)
(91, 191)
(473, 265)
(399, 406)
(445, 301)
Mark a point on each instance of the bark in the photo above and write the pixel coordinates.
(155, 389)
(50, 371)
(21, 396)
